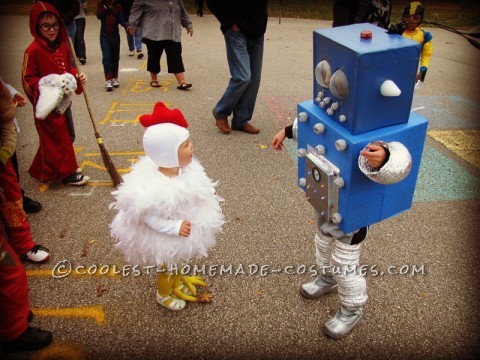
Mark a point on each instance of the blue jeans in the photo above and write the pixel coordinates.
(135, 42)
(110, 55)
(245, 57)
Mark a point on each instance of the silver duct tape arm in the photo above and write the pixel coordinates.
(394, 170)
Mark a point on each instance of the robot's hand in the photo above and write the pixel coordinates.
(396, 28)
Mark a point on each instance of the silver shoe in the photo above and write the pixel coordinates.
(341, 324)
(318, 287)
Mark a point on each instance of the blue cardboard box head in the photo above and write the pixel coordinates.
(349, 72)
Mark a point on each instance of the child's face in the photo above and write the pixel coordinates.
(185, 153)
(48, 26)
(412, 21)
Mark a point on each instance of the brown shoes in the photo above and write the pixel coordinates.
(250, 129)
(222, 124)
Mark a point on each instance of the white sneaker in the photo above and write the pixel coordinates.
(108, 85)
(38, 255)
(132, 53)
(115, 82)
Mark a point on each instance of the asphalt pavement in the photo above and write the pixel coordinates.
(422, 266)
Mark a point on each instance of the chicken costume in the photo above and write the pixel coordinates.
(152, 206)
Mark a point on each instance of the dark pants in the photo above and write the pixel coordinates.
(79, 41)
(110, 55)
(344, 12)
(200, 4)
(174, 56)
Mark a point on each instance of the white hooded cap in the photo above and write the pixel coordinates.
(161, 143)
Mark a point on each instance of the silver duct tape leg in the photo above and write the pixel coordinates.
(352, 287)
(352, 290)
(324, 283)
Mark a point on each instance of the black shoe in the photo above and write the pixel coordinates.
(75, 179)
(31, 339)
(31, 206)
(199, 13)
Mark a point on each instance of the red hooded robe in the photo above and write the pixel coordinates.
(55, 158)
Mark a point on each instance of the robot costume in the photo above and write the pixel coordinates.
(362, 96)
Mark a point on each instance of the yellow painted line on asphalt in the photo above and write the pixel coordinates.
(86, 271)
(60, 350)
(109, 113)
(464, 143)
(116, 153)
(124, 92)
(85, 312)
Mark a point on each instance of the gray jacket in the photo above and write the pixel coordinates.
(160, 19)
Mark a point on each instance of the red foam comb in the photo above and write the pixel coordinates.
(161, 114)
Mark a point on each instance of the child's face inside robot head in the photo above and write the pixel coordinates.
(48, 26)
(413, 15)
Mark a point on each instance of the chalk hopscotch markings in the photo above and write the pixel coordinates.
(121, 114)
(464, 143)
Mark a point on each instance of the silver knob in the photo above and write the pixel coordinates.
(336, 218)
(319, 149)
(319, 128)
(341, 145)
(339, 182)
(303, 117)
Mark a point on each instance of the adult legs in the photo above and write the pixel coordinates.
(238, 59)
(173, 51)
(137, 39)
(243, 111)
(79, 43)
(155, 51)
(131, 45)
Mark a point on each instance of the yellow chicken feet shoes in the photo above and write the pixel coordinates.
(171, 302)
(191, 281)
(188, 292)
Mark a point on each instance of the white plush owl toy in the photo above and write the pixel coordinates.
(56, 93)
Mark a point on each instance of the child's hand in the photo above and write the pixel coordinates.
(190, 31)
(277, 142)
(83, 78)
(375, 155)
(19, 100)
(185, 228)
(132, 30)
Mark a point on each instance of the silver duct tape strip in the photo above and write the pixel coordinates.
(352, 287)
(394, 170)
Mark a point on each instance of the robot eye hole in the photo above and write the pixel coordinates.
(323, 73)
(339, 85)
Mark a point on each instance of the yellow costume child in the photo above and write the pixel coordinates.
(168, 210)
